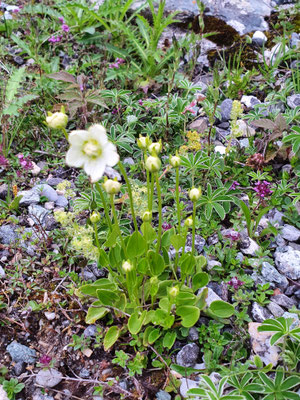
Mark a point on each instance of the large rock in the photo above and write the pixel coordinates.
(290, 233)
(243, 15)
(29, 197)
(283, 301)
(49, 378)
(287, 261)
(260, 342)
(47, 191)
(3, 394)
(21, 353)
(8, 234)
(211, 296)
(269, 274)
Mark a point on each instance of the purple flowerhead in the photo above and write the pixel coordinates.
(166, 226)
(262, 189)
(140, 102)
(3, 161)
(55, 39)
(25, 162)
(233, 235)
(45, 360)
(113, 65)
(235, 283)
(61, 20)
(120, 61)
(234, 185)
(65, 28)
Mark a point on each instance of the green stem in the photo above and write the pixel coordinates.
(194, 228)
(123, 171)
(116, 221)
(100, 191)
(99, 249)
(148, 182)
(65, 133)
(177, 200)
(152, 192)
(159, 213)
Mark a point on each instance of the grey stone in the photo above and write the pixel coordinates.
(221, 289)
(213, 263)
(61, 201)
(283, 301)
(19, 60)
(128, 161)
(259, 38)
(275, 309)
(3, 394)
(293, 101)
(84, 373)
(2, 272)
(260, 343)
(21, 353)
(187, 384)
(271, 275)
(211, 296)
(249, 246)
(8, 234)
(259, 313)
(111, 173)
(49, 378)
(275, 53)
(193, 334)
(88, 275)
(29, 197)
(38, 395)
(3, 191)
(98, 272)
(214, 239)
(50, 315)
(47, 191)
(250, 101)
(90, 331)
(226, 107)
(37, 214)
(280, 242)
(290, 233)
(275, 217)
(244, 143)
(19, 368)
(162, 395)
(287, 261)
(188, 355)
(240, 256)
(290, 290)
(295, 40)
(53, 181)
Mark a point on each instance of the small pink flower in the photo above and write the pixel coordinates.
(235, 283)
(140, 102)
(45, 359)
(234, 185)
(3, 161)
(61, 20)
(166, 226)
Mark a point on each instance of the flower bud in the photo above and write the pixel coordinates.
(174, 291)
(111, 186)
(143, 142)
(57, 120)
(127, 266)
(175, 161)
(195, 194)
(155, 148)
(188, 222)
(147, 216)
(95, 217)
(153, 164)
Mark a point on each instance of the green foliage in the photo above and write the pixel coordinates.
(12, 387)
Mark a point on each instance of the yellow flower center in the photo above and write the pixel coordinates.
(92, 148)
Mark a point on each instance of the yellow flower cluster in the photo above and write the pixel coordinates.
(236, 113)
(64, 188)
(193, 142)
(139, 194)
(81, 236)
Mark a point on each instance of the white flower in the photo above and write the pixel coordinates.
(127, 266)
(155, 148)
(57, 120)
(220, 149)
(143, 142)
(91, 150)
(131, 119)
(175, 161)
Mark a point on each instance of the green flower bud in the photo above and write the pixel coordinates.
(147, 216)
(143, 142)
(153, 164)
(195, 194)
(57, 120)
(188, 222)
(155, 148)
(127, 266)
(111, 186)
(175, 161)
(174, 291)
(95, 217)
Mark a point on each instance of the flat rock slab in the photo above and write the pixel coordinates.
(49, 378)
(260, 342)
(243, 15)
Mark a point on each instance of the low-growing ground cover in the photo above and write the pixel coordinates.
(149, 189)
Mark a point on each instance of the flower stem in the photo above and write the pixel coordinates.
(159, 213)
(148, 182)
(100, 191)
(152, 193)
(194, 227)
(116, 221)
(177, 200)
(99, 249)
(123, 171)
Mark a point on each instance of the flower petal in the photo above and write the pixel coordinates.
(98, 133)
(94, 168)
(76, 138)
(75, 157)
(110, 154)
